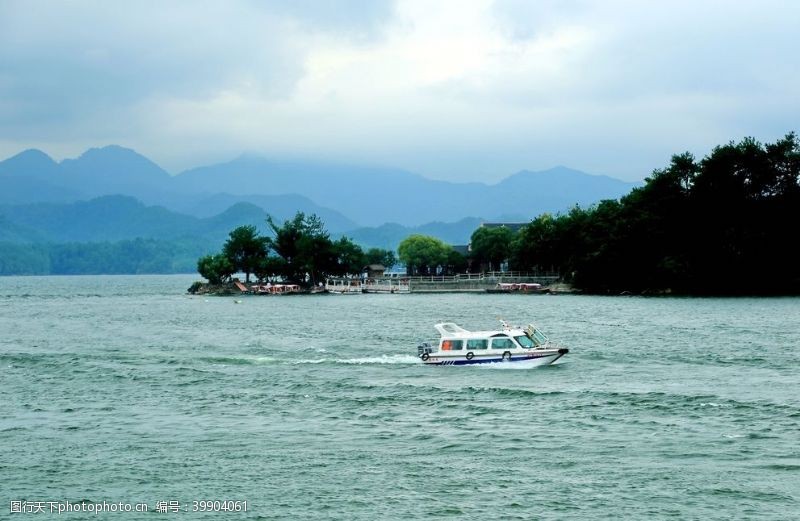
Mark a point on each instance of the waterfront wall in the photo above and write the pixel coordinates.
(477, 283)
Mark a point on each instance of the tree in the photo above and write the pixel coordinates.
(492, 245)
(244, 249)
(215, 268)
(534, 246)
(422, 254)
(270, 266)
(455, 263)
(694, 227)
(349, 257)
(380, 256)
(305, 246)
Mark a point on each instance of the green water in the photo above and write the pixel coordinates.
(124, 389)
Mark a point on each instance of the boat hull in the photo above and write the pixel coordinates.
(526, 359)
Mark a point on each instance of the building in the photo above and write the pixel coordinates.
(374, 271)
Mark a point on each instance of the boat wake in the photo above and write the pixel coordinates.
(369, 360)
(271, 360)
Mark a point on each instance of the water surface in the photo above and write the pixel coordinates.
(315, 407)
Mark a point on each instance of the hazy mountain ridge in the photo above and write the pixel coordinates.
(113, 201)
(343, 195)
(116, 218)
(389, 235)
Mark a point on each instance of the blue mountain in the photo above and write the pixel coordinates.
(373, 195)
(346, 197)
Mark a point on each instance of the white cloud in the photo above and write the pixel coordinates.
(467, 90)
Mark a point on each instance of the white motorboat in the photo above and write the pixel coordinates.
(513, 344)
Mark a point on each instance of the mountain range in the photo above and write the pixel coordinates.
(345, 197)
(112, 210)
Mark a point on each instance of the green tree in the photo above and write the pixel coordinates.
(535, 247)
(269, 267)
(380, 256)
(349, 257)
(455, 263)
(305, 247)
(694, 227)
(422, 254)
(492, 245)
(244, 249)
(215, 268)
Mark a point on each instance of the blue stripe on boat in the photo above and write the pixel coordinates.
(475, 360)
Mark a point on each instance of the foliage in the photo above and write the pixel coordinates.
(300, 250)
(491, 246)
(455, 263)
(244, 249)
(725, 224)
(423, 254)
(215, 268)
(305, 247)
(350, 258)
(91, 258)
(380, 256)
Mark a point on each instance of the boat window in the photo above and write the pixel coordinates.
(452, 345)
(477, 343)
(524, 341)
(502, 343)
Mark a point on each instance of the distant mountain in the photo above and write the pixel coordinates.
(31, 162)
(390, 235)
(115, 218)
(344, 196)
(370, 195)
(33, 176)
(116, 170)
(279, 206)
(16, 233)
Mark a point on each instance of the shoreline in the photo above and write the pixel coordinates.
(233, 289)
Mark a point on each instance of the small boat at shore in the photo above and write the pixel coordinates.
(520, 287)
(510, 344)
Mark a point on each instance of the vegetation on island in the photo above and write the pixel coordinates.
(726, 224)
(299, 251)
(723, 224)
(425, 255)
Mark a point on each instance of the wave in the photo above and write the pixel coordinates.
(240, 360)
(367, 360)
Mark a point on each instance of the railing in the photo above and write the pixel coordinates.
(489, 276)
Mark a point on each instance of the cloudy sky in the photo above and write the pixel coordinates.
(456, 90)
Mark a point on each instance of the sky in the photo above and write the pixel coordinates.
(467, 90)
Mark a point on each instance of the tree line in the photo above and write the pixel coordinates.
(135, 256)
(299, 251)
(726, 224)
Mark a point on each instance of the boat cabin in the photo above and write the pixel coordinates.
(456, 338)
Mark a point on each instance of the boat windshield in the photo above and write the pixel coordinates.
(524, 341)
(535, 336)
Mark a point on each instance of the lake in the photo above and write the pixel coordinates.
(124, 389)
